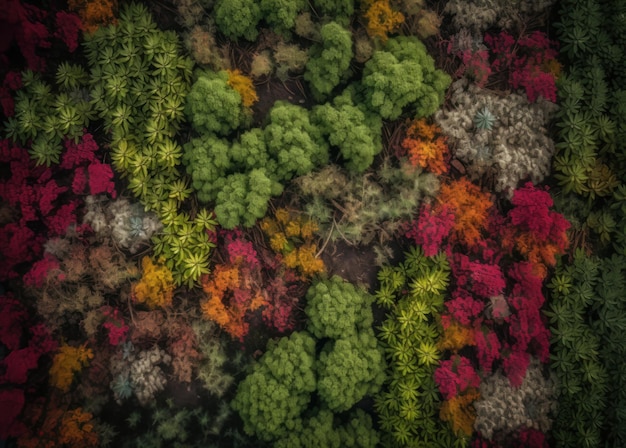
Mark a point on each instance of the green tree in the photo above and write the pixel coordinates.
(349, 129)
(297, 145)
(349, 369)
(213, 106)
(243, 198)
(403, 74)
(329, 61)
(272, 398)
(207, 160)
(280, 15)
(337, 309)
(238, 18)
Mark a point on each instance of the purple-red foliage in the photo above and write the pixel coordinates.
(515, 366)
(22, 23)
(484, 280)
(532, 214)
(68, 28)
(26, 25)
(525, 438)
(238, 249)
(487, 348)
(26, 343)
(12, 81)
(526, 60)
(455, 375)
(117, 330)
(464, 308)
(283, 292)
(38, 201)
(431, 228)
(527, 325)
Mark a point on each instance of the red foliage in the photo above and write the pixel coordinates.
(455, 375)
(484, 280)
(101, 179)
(464, 308)
(117, 330)
(11, 404)
(36, 198)
(79, 154)
(12, 81)
(68, 28)
(487, 348)
(515, 366)
(431, 228)
(528, 61)
(26, 345)
(22, 23)
(238, 249)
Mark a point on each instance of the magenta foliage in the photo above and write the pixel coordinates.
(525, 60)
(22, 23)
(117, 330)
(487, 348)
(464, 308)
(431, 229)
(25, 25)
(484, 280)
(455, 375)
(68, 28)
(26, 342)
(12, 81)
(532, 213)
(527, 325)
(515, 366)
(525, 438)
(37, 199)
(238, 249)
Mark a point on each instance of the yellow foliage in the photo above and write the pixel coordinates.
(243, 84)
(156, 287)
(460, 413)
(95, 13)
(291, 234)
(278, 242)
(381, 19)
(50, 427)
(68, 361)
(456, 336)
(77, 429)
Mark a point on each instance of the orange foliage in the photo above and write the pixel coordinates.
(156, 287)
(230, 295)
(540, 253)
(426, 147)
(68, 361)
(381, 19)
(95, 13)
(460, 412)
(291, 234)
(243, 85)
(59, 429)
(470, 206)
(456, 336)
